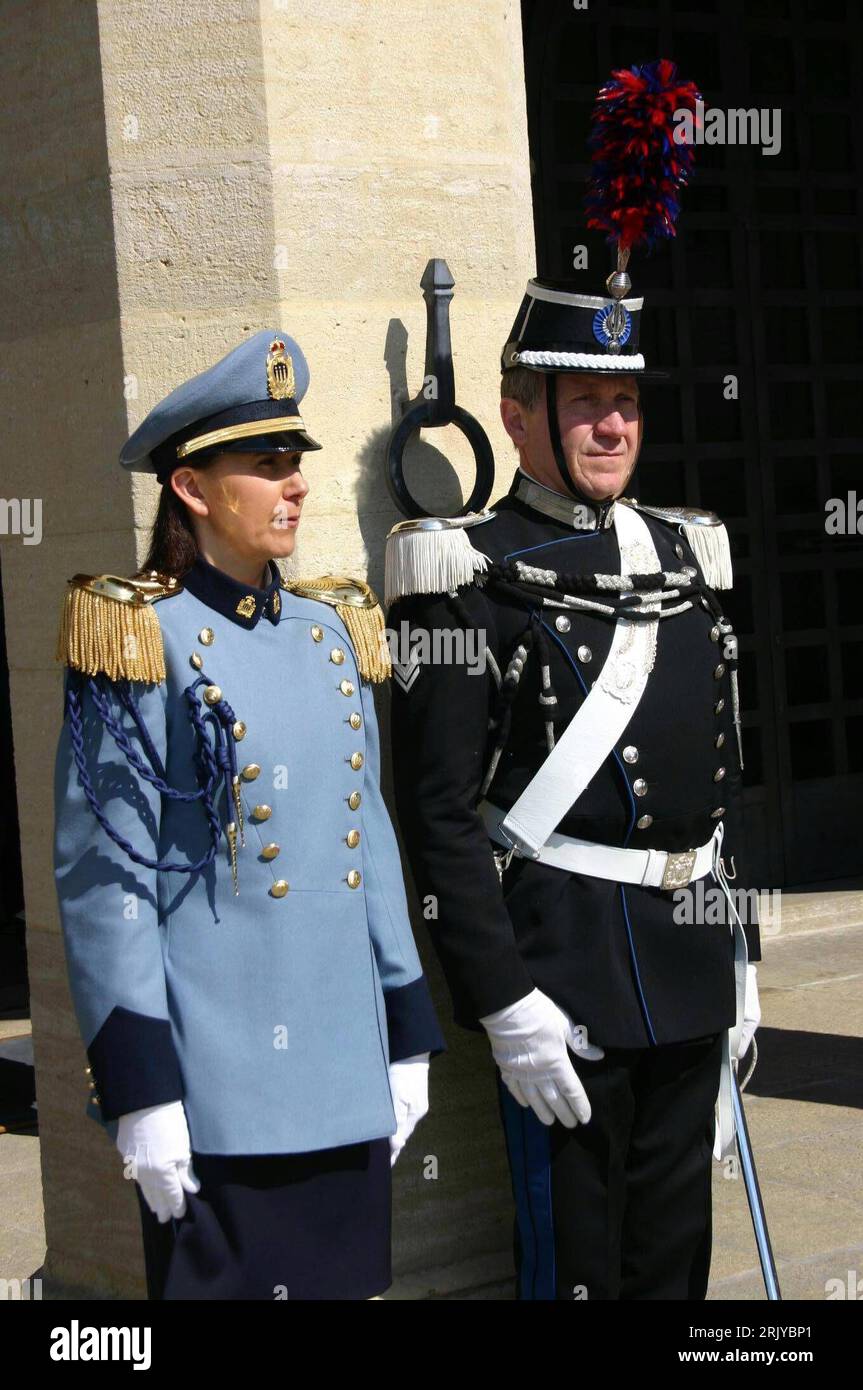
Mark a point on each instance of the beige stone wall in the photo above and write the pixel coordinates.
(184, 173)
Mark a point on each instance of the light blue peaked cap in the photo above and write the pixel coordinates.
(260, 383)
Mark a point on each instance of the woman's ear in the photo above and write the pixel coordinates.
(184, 481)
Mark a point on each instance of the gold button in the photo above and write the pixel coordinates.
(354, 800)
(279, 888)
(355, 878)
(346, 687)
(356, 761)
(262, 812)
(337, 656)
(355, 720)
(353, 838)
(239, 730)
(207, 636)
(270, 851)
(197, 660)
(212, 694)
(317, 633)
(251, 771)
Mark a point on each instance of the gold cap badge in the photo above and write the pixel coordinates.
(280, 372)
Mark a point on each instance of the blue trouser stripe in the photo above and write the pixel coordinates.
(528, 1151)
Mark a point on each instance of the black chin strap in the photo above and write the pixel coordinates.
(599, 509)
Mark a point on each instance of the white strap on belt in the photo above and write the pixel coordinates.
(603, 715)
(726, 1128)
(651, 868)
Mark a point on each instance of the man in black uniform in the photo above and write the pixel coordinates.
(562, 803)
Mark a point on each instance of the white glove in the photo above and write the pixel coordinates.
(409, 1087)
(155, 1141)
(751, 1012)
(529, 1042)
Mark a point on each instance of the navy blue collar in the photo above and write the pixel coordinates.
(242, 603)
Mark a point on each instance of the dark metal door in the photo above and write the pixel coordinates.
(757, 308)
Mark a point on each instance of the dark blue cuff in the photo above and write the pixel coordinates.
(133, 1063)
(412, 1025)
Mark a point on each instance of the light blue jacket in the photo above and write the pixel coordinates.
(273, 1018)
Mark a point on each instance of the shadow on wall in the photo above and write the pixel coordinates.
(453, 1209)
(429, 473)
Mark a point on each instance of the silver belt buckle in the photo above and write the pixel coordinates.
(678, 869)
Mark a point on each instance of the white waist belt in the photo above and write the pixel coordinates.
(651, 868)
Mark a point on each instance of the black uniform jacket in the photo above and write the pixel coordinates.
(611, 955)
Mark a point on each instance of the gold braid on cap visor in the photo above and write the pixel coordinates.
(244, 431)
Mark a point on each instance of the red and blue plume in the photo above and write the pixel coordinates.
(638, 166)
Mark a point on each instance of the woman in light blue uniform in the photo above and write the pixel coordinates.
(255, 1015)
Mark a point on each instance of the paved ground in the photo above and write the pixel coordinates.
(804, 1107)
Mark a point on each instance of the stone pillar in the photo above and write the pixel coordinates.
(184, 174)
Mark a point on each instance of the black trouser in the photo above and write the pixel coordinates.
(619, 1208)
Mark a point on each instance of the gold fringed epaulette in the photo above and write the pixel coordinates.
(108, 624)
(358, 607)
(707, 536)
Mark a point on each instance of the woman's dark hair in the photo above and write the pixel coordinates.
(173, 545)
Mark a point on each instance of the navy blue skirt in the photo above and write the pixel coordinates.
(277, 1226)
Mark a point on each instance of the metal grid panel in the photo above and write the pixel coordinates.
(765, 284)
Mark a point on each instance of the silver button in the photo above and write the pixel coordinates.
(714, 634)
(630, 753)
(678, 550)
(719, 774)
(719, 706)
(720, 811)
(644, 821)
(719, 740)
(585, 654)
(562, 623)
(719, 672)
(639, 786)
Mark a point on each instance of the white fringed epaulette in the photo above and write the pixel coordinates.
(432, 555)
(707, 536)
